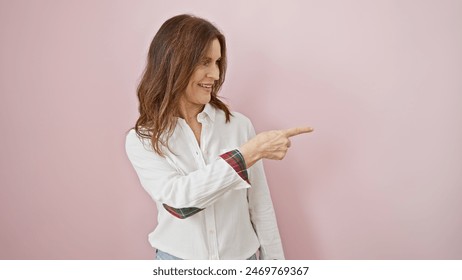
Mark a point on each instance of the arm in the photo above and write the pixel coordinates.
(164, 184)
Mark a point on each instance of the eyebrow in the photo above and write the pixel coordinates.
(210, 59)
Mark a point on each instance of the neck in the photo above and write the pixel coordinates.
(189, 112)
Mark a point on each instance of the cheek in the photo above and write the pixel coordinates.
(192, 90)
(197, 76)
(190, 85)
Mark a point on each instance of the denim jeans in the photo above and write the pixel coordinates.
(161, 255)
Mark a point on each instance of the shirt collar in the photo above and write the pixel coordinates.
(208, 114)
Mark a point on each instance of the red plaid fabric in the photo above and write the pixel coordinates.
(235, 159)
(237, 162)
(182, 213)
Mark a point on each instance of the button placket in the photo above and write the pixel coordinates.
(212, 238)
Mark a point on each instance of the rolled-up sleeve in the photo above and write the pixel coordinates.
(235, 159)
(166, 185)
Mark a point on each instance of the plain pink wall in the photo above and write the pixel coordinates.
(380, 81)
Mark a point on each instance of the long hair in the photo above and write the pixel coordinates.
(175, 52)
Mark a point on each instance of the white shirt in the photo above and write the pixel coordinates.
(238, 218)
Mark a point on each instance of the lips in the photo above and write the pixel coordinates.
(206, 86)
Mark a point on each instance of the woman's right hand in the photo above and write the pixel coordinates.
(271, 144)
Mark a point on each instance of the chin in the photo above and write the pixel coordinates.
(206, 100)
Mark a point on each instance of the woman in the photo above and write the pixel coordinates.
(198, 161)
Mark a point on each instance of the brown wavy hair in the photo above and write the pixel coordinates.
(175, 52)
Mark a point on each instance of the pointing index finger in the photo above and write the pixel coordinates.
(296, 131)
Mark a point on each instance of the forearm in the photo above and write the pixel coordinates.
(165, 184)
(250, 154)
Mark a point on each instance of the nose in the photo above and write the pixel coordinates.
(214, 72)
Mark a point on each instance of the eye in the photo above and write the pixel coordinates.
(205, 62)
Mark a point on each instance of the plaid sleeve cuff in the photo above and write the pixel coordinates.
(182, 213)
(235, 159)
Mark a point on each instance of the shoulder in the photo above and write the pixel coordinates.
(134, 141)
(239, 125)
(243, 122)
(132, 136)
(240, 117)
(237, 118)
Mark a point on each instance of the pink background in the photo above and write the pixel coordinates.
(380, 81)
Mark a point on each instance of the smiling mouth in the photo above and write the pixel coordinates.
(206, 86)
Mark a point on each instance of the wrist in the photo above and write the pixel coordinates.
(251, 156)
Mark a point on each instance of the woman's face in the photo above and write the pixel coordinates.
(199, 90)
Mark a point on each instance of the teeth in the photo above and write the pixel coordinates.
(206, 85)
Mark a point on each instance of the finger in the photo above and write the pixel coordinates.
(296, 131)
